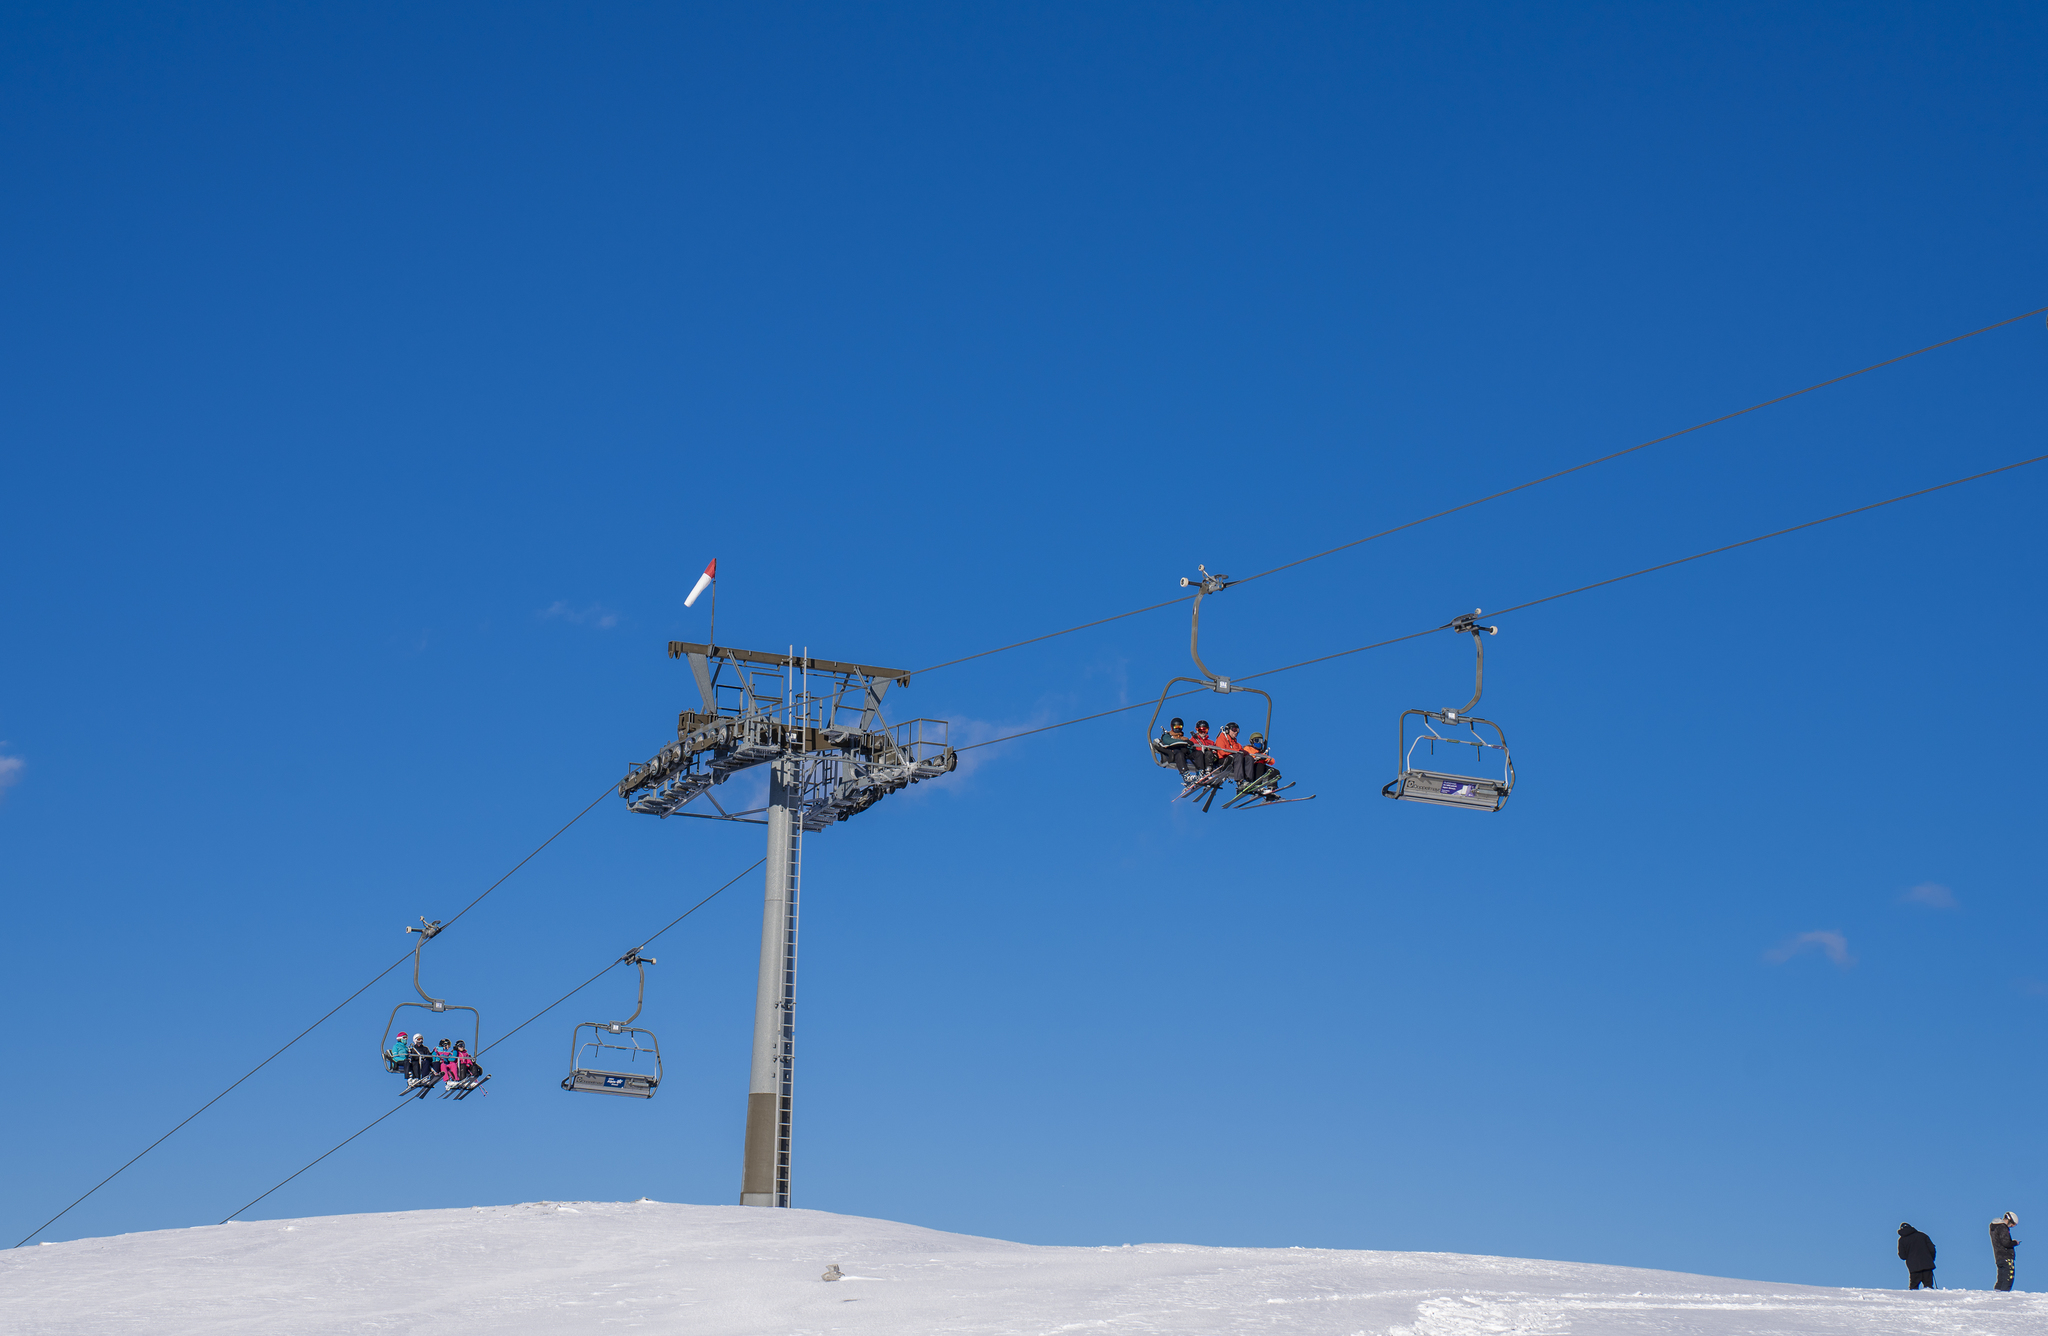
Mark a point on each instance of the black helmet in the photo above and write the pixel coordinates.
(1173, 723)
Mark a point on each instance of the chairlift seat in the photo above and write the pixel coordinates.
(594, 1081)
(1447, 790)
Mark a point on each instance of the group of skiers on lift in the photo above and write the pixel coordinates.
(424, 1065)
(1203, 760)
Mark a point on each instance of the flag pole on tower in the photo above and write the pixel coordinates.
(708, 580)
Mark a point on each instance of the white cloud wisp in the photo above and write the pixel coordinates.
(1930, 893)
(593, 616)
(1832, 944)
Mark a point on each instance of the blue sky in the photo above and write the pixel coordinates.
(377, 380)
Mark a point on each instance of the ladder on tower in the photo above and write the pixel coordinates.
(785, 1050)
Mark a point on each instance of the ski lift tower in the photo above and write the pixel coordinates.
(817, 724)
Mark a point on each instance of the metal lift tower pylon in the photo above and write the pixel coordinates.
(817, 725)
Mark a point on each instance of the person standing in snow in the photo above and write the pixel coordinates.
(1916, 1250)
(2002, 1244)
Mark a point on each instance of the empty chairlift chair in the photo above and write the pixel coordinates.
(1449, 778)
(616, 1058)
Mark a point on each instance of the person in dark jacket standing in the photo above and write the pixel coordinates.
(1916, 1250)
(2002, 1244)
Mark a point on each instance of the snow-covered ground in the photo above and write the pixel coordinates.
(578, 1267)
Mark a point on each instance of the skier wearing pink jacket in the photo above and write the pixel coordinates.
(446, 1057)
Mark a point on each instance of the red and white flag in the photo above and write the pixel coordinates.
(703, 582)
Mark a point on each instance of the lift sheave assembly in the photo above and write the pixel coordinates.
(1423, 731)
(594, 1063)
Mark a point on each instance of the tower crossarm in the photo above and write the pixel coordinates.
(823, 715)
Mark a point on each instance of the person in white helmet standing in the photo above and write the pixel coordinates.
(2002, 1244)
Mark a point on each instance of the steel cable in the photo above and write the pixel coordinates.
(1547, 598)
(309, 1029)
(615, 964)
(409, 1094)
(1495, 496)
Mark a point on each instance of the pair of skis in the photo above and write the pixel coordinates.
(419, 1087)
(1255, 796)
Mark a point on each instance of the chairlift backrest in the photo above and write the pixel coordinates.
(592, 1071)
(1481, 778)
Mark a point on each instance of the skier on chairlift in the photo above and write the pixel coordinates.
(1176, 748)
(1201, 759)
(400, 1054)
(1219, 756)
(421, 1059)
(1255, 771)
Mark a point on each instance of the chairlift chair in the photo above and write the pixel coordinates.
(596, 1074)
(1423, 783)
(1196, 776)
(436, 1005)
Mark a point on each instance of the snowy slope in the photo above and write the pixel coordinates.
(572, 1268)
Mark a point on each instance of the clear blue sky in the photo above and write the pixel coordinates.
(376, 380)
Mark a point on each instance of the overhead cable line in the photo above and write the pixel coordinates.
(1495, 496)
(309, 1029)
(499, 1040)
(614, 964)
(215, 1100)
(337, 1146)
(1547, 598)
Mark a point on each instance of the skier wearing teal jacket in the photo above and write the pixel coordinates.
(398, 1052)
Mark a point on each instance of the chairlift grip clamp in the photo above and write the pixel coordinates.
(427, 933)
(1468, 624)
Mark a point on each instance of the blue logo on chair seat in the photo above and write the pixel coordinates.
(1456, 790)
(614, 1082)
